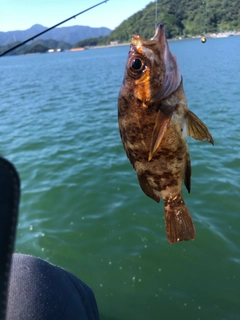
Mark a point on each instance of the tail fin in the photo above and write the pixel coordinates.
(179, 224)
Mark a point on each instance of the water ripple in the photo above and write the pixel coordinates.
(82, 207)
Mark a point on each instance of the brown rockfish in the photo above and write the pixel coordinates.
(152, 113)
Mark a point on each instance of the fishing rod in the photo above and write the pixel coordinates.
(56, 25)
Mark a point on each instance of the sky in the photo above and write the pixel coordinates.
(22, 14)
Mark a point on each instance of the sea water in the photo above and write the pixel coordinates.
(81, 205)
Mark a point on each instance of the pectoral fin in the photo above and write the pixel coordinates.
(197, 129)
(162, 121)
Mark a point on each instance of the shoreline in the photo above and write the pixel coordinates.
(208, 36)
(125, 44)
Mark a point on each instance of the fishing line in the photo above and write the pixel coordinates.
(56, 25)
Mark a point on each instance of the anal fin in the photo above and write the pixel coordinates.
(197, 129)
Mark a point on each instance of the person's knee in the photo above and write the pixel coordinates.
(40, 290)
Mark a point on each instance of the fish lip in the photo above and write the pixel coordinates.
(160, 38)
(159, 33)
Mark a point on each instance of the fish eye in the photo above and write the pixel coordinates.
(136, 64)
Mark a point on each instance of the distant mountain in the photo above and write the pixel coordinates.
(70, 35)
(36, 46)
(45, 45)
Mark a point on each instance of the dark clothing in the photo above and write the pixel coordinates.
(39, 290)
(30, 288)
(9, 202)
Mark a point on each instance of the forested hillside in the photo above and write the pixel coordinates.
(180, 17)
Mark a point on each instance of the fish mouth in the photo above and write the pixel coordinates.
(167, 56)
(172, 76)
(159, 37)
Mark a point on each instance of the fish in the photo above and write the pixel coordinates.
(152, 116)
